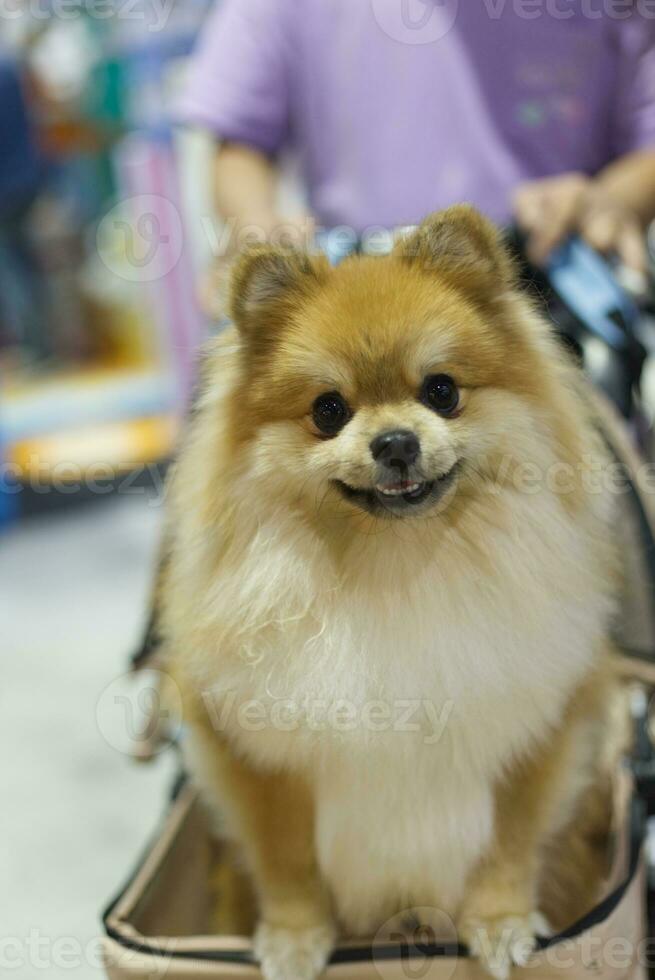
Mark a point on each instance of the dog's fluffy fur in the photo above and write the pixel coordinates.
(393, 708)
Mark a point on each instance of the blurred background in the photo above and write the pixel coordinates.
(97, 312)
(107, 234)
(98, 323)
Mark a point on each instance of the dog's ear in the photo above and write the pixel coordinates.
(266, 279)
(459, 242)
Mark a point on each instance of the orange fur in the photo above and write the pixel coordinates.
(490, 599)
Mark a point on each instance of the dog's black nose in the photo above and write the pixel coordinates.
(398, 447)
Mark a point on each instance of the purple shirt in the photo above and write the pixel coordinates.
(398, 107)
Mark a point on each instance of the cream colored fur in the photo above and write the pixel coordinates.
(449, 626)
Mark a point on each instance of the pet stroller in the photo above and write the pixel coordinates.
(159, 923)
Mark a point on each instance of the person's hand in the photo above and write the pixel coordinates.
(550, 210)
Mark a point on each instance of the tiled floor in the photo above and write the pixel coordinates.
(74, 810)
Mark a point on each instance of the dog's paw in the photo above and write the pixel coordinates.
(503, 942)
(293, 954)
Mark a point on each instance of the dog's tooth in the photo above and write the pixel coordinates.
(390, 491)
(397, 492)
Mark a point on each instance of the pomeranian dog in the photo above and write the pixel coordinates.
(387, 597)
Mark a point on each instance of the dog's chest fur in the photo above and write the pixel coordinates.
(404, 690)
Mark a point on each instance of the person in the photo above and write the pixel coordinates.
(22, 303)
(539, 112)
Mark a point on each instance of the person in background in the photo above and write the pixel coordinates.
(545, 115)
(21, 172)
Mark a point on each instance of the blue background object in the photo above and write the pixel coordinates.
(20, 161)
(586, 283)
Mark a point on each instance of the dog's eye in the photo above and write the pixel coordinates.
(330, 413)
(439, 392)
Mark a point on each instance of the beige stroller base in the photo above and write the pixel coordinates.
(158, 925)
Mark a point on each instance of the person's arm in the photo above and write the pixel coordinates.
(610, 211)
(238, 90)
(245, 183)
(245, 195)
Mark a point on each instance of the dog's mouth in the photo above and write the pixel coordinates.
(398, 496)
